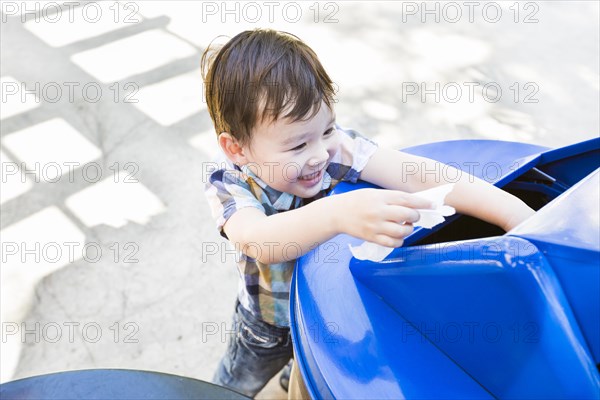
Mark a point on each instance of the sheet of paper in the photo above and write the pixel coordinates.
(429, 219)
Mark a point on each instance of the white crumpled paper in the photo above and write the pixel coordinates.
(429, 218)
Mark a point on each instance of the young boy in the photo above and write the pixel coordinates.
(272, 104)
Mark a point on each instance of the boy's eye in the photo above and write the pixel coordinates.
(299, 147)
(303, 145)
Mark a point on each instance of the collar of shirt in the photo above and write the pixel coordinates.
(282, 201)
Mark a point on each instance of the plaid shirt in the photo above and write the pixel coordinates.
(264, 290)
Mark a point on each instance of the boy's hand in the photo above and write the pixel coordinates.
(380, 216)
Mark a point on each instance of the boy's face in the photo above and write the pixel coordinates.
(292, 157)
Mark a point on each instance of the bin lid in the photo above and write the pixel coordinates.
(117, 384)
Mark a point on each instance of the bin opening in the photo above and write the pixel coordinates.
(535, 187)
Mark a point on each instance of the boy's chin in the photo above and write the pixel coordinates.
(307, 193)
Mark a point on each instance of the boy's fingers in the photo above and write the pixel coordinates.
(395, 230)
(402, 214)
(387, 241)
(412, 216)
(409, 200)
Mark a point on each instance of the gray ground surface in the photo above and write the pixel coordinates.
(173, 306)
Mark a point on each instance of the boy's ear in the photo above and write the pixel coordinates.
(232, 148)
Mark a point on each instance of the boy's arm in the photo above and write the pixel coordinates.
(371, 214)
(398, 170)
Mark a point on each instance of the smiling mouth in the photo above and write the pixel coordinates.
(310, 176)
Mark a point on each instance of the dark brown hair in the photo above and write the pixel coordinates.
(261, 74)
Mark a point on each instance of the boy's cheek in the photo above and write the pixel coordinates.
(335, 145)
(291, 170)
(282, 172)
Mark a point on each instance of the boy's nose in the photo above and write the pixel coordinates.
(319, 157)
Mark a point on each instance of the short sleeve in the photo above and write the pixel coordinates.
(352, 157)
(227, 191)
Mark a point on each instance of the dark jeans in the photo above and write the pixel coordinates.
(256, 351)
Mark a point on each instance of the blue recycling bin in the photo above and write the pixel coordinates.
(465, 310)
